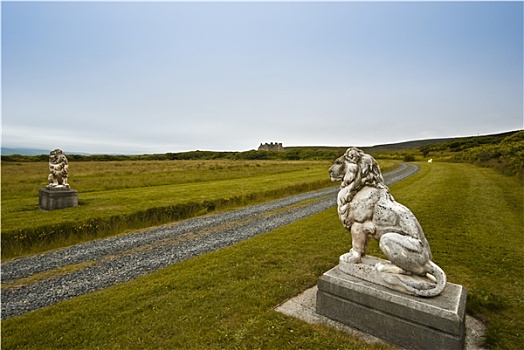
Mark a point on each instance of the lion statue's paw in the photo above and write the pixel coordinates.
(404, 281)
(388, 267)
(351, 257)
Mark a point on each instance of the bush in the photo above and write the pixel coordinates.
(409, 158)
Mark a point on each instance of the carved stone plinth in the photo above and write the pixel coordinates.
(57, 199)
(408, 321)
(367, 270)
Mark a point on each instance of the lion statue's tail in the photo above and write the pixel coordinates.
(416, 285)
(441, 280)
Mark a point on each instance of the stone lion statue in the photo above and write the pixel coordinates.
(367, 209)
(58, 169)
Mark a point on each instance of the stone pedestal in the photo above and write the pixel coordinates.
(407, 321)
(57, 199)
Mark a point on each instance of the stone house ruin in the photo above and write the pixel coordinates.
(273, 146)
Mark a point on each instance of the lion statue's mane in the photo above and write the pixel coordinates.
(58, 170)
(356, 170)
(367, 209)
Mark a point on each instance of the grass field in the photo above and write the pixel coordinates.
(473, 220)
(116, 197)
(119, 196)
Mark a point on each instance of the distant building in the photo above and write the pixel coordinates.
(273, 146)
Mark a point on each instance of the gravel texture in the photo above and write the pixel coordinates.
(113, 260)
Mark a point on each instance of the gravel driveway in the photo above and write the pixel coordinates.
(102, 263)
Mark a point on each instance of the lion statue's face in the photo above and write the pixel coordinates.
(345, 165)
(357, 169)
(56, 156)
(338, 169)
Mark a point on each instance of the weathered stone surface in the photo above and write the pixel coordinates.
(408, 321)
(367, 209)
(369, 269)
(58, 170)
(303, 307)
(57, 199)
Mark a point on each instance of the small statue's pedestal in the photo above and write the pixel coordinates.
(408, 321)
(57, 199)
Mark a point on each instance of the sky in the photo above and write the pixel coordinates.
(141, 78)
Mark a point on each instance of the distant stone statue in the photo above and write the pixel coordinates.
(58, 171)
(367, 209)
(57, 194)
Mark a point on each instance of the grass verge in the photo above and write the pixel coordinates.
(473, 220)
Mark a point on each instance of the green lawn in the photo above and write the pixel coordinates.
(472, 218)
(119, 188)
(119, 196)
